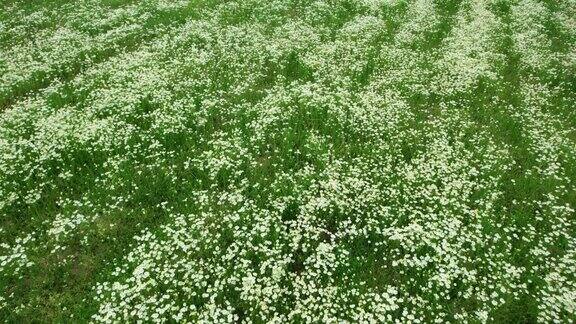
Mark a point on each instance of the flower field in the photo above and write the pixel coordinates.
(288, 161)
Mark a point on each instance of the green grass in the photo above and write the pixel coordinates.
(298, 161)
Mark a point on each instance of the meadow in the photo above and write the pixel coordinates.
(288, 161)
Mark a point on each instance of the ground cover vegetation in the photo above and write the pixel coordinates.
(288, 161)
